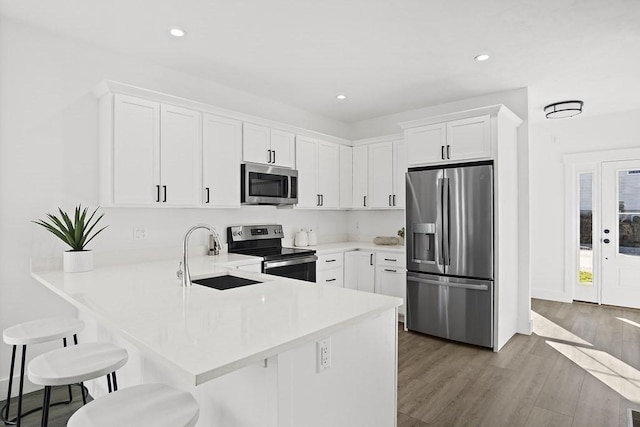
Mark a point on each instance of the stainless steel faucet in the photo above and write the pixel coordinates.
(183, 273)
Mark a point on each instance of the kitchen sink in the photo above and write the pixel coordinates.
(224, 282)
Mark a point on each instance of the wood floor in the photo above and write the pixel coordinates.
(552, 378)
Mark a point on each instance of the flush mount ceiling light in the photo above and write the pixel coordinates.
(177, 32)
(481, 57)
(341, 97)
(560, 110)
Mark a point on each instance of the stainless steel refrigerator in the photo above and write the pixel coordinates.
(450, 251)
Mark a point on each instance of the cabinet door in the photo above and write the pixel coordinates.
(360, 178)
(359, 271)
(346, 177)
(180, 156)
(256, 143)
(426, 144)
(332, 277)
(399, 171)
(469, 138)
(328, 174)
(136, 151)
(307, 161)
(381, 175)
(391, 281)
(221, 153)
(282, 148)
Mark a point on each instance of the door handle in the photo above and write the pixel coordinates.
(448, 151)
(390, 270)
(318, 201)
(330, 260)
(389, 259)
(394, 200)
(442, 151)
(322, 200)
(370, 259)
(390, 200)
(158, 193)
(365, 201)
(606, 241)
(330, 280)
(274, 156)
(164, 199)
(606, 231)
(207, 192)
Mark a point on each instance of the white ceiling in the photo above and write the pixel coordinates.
(387, 56)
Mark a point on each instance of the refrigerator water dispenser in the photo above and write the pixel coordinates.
(424, 248)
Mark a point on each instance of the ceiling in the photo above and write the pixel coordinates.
(386, 56)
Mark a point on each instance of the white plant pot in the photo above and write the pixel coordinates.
(77, 261)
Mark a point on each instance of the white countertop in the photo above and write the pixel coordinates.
(204, 332)
(352, 246)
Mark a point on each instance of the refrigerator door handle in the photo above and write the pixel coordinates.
(445, 222)
(439, 232)
(448, 284)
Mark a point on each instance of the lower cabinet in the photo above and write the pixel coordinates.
(391, 275)
(255, 268)
(359, 270)
(329, 269)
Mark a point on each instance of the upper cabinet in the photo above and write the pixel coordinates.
(450, 141)
(318, 164)
(261, 144)
(221, 156)
(346, 177)
(150, 154)
(378, 175)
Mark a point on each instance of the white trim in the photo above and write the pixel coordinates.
(109, 86)
(490, 110)
(551, 295)
(602, 156)
(375, 139)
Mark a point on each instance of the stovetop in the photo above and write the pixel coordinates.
(261, 240)
(272, 253)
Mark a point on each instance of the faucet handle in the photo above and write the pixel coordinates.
(179, 273)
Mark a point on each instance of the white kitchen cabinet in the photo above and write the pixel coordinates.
(360, 176)
(180, 156)
(221, 156)
(318, 164)
(399, 171)
(156, 157)
(456, 140)
(261, 144)
(329, 269)
(359, 270)
(346, 177)
(391, 275)
(386, 168)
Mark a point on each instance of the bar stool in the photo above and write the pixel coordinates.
(156, 405)
(75, 364)
(35, 332)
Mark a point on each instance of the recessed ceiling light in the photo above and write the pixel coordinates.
(481, 57)
(177, 32)
(341, 97)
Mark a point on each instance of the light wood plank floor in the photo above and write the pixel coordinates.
(552, 378)
(528, 383)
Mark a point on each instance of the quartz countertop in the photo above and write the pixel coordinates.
(203, 332)
(328, 248)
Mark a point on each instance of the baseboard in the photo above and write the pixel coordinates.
(550, 295)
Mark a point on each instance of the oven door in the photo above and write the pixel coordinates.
(267, 185)
(301, 268)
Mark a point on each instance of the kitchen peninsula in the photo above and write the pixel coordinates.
(249, 355)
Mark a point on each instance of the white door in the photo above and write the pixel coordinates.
(468, 138)
(346, 177)
(221, 152)
(360, 178)
(620, 233)
(307, 163)
(256, 143)
(328, 174)
(136, 151)
(399, 171)
(381, 175)
(426, 144)
(282, 148)
(180, 156)
(359, 271)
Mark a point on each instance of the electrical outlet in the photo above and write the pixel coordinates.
(139, 233)
(323, 353)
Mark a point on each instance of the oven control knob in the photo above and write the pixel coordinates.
(235, 233)
(239, 233)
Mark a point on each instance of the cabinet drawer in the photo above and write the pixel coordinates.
(330, 261)
(391, 259)
(331, 277)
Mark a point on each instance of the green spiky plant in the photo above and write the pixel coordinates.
(76, 233)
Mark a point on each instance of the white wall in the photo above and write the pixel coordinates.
(363, 225)
(48, 158)
(550, 140)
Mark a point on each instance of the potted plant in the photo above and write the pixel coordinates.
(76, 233)
(401, 236)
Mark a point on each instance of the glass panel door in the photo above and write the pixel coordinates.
(585, 288)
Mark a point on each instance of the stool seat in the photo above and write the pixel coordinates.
(76, 364)
(155, 405)
(41, 330)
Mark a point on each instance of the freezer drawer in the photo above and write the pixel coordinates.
(452, 308)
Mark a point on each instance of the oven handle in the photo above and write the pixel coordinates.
(287, 262)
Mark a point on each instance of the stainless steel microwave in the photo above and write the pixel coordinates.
(268, 185)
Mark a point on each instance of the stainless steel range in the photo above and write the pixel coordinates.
(266, 241)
